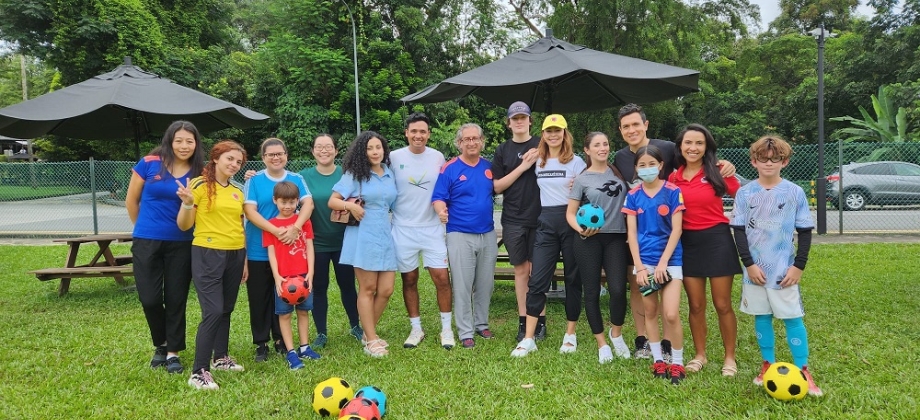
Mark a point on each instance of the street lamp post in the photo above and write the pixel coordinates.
(354, 40)
(820, 35)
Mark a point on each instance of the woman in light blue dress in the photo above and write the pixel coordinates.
(369, 246)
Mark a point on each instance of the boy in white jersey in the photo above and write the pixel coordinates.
(417, 229)
(767, 211)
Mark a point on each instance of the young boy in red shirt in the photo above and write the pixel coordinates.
(291, 260)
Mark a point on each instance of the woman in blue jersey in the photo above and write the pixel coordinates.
(161, 252)
(259, 208)
(556, 169)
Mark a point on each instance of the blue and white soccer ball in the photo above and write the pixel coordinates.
(590, 216)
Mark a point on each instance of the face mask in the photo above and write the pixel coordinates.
(648, 174)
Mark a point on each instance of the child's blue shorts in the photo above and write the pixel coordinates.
(283, 308)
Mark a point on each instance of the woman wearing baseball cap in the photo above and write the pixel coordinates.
(556, 168)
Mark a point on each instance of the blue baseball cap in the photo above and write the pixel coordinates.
(518, 108)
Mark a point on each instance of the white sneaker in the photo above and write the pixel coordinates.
(447, 339)
(569, 344)
(203, 380)
(525, 347)
(604, 355)
(619, 346)
(622, 350)
(415, 337)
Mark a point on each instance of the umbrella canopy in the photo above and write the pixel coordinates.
(127, 102)
(555, 76)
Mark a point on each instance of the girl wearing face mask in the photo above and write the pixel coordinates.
(654, 213)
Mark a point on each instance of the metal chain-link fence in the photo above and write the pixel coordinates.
(881, 190)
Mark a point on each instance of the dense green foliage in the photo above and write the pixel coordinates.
(292, 59)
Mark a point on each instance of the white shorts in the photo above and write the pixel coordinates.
(785, 303)
(676, 271)
(427, 241)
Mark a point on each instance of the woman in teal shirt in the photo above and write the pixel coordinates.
(328, 242)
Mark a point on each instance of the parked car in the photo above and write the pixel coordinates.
(729, 201)
(880, 183)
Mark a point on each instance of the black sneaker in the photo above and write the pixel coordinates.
(666, 351)
(540, 334)
(521, 332)
(261, 353)
(660, 369)
(159, 357)
(173, 365)
(280, 348)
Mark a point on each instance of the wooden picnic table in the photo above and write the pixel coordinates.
(109, 266)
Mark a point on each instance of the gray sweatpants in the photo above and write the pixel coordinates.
(471, 257)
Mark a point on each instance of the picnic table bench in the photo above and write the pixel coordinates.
(103, 264)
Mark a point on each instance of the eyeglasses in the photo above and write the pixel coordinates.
(774, 159)
(470, 140)
(326, 147)
(274, 155)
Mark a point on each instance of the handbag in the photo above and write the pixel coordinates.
(345, 216)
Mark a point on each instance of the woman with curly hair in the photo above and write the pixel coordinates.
(213, 204)
(369, 246)
(163, 253)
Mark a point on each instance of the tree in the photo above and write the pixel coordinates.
(801, 16)
(890, 124)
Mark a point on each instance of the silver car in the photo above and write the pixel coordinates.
(881, 183)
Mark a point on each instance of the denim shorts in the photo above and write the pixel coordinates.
(284, 308)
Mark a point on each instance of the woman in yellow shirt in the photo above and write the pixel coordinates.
(213, 204)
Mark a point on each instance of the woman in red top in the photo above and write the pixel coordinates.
(707, 241)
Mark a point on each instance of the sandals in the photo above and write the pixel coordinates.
(695, 365)
(729, 370)
(376, 348)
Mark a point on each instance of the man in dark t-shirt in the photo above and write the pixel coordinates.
(514, 178)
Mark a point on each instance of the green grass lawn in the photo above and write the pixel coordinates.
(85, 356)
(19, 193)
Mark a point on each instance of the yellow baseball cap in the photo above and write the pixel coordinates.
(554, 120)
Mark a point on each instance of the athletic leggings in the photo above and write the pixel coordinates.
(607, 251)
(345, 277)
(260, 290)
(554, 234)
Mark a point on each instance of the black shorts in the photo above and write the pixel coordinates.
(518, 242)
(710, 252)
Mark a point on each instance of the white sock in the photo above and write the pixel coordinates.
(677, 356)
(416, 322)
(303, 347)
(445, 320)
(656, 350)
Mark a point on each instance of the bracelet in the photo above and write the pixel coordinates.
(188, 206)
(344, 206)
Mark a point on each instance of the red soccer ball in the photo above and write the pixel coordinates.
(362, 407)
(294, 290)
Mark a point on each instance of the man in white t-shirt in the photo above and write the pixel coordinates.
(417, 230)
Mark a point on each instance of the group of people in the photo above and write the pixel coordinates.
(663, 230)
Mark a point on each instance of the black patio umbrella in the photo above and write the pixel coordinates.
(555, 76)
(127, 102)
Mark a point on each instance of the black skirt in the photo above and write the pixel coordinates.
(710, 252)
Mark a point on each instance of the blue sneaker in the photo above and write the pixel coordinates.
(320, 341)
(308, 353)
(294, 361)
(358, 333)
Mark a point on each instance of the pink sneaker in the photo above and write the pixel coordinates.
(763, 369)
(813, 389)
